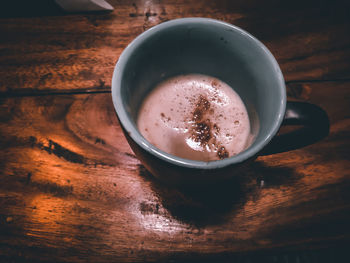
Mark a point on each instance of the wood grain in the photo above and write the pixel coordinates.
(71, 189)
(77, 53)
(71, 186)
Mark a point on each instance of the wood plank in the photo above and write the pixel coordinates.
(311, 41)
(72, 190)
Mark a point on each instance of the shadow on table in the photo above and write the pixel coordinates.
(212, 204)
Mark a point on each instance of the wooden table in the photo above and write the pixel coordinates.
(72, 190)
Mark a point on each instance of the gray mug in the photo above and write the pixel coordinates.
(221, 50)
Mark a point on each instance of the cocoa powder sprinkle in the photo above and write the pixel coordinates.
(197, 115)
(201, 133)
(222, 153)
(202, 128)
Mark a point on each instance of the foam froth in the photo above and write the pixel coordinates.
(195, 117)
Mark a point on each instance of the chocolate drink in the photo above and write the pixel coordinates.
(195, 117)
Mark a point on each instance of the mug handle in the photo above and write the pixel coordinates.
(314, 122)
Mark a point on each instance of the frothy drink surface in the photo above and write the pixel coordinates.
(195, 117)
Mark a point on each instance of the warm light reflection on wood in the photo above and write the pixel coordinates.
(47, 212)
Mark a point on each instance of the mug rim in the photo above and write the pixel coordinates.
(131, 129)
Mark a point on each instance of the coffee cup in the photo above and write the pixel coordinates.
(226, 52)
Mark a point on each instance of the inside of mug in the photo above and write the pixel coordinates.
(210, 49)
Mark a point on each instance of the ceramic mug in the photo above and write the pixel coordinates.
(214, 48)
